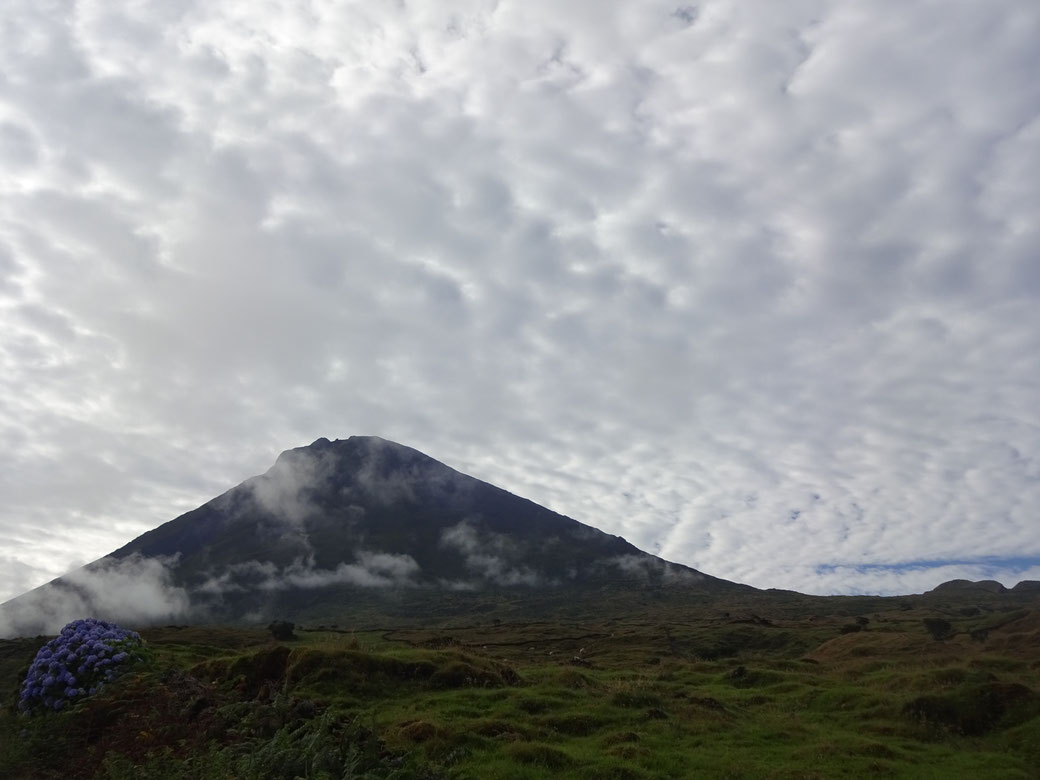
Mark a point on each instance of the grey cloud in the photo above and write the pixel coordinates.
(18, 147)
(635, 263)
(14, 574)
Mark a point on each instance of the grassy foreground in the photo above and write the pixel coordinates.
(922, 688)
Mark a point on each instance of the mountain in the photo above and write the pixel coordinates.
(990, 586)
(360, 529)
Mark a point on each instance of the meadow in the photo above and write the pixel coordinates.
(768, 685)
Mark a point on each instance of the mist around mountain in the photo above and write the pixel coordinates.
(361, 527)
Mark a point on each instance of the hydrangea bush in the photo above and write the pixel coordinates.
(77, 663)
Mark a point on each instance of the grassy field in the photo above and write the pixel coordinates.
(770, 686)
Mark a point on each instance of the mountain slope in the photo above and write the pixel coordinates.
(358, 526)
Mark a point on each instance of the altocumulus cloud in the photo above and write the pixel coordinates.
(753, 284)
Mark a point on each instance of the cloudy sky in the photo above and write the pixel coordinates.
(753, 284)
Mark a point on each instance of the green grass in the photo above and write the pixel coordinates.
(692, 693)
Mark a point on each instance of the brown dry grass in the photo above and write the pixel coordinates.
(871, 645)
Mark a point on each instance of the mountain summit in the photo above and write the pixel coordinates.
(356, 526)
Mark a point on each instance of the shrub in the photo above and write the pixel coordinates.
(77, 663)
(461, 674)
(635, 699)
(282, 630)
(421, 731)
(937, 627)
(539, 754)
(978, 709)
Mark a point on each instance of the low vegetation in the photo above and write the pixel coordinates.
(924, 688)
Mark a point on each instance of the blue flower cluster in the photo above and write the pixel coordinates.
(76, 663)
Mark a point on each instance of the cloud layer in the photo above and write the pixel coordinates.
(370, 570)
(133, 590)
(487, 556)
(754, 285)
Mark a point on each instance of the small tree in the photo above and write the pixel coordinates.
(282, 630)
(937, 627)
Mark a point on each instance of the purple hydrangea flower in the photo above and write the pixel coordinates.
(77, 663)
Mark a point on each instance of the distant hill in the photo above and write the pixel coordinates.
(991, 586)
(358, 528)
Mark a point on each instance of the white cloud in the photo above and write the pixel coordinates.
(486, 554)
(671, 273)
(131, 590)
(646, 569)
(283, 489)
(370, 570)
